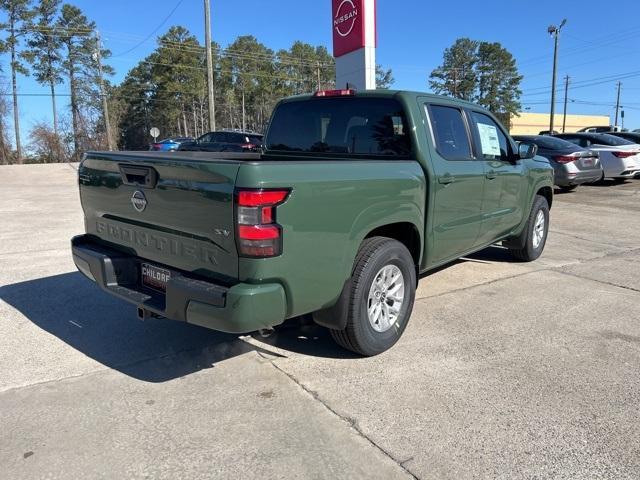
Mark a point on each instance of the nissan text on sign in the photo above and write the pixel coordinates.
(354, 43)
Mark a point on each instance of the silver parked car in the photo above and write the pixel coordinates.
(620, 158)
(572, 164)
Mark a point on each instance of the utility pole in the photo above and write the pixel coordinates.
(615, 124)
(455, 82)
(566, 93)
(555, 32)
(105, 103)
(207, 40)
(318, 73)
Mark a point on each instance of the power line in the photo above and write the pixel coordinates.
(153, 32)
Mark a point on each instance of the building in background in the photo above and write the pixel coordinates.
(526, 123)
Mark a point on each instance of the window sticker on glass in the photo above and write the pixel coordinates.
(489, 139)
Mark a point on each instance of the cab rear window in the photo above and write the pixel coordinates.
(341, 126)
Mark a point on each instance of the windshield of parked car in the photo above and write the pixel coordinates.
(344, 126)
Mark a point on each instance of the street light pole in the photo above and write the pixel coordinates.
(566, 93)
(555, 32)
(207, 40)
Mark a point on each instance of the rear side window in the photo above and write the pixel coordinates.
(450, 132)
(493, 142)
(343, 126)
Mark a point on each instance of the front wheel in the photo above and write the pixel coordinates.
(381, 300)
(536, 231)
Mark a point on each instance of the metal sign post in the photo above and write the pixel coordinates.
(354, 43)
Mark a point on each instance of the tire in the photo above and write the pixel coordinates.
(376, 256)
(568, 188)
(534, 244)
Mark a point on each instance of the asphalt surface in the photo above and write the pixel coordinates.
(506, 370)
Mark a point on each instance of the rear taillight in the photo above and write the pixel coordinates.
(249, 146)
(258, 233)
(565, 158)
(156, 146)
(624, 154)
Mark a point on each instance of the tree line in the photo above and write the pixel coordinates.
(168, 90)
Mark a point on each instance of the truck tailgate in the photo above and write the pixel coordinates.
(171, 209)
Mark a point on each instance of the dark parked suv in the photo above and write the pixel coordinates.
(225, 141)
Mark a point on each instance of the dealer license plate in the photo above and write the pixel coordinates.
(587, 162)
(155, 277)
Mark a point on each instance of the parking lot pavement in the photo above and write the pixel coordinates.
(506, 370)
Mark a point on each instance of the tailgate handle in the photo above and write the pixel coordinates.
(139, 176)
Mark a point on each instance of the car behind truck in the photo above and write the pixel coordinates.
(354, 196)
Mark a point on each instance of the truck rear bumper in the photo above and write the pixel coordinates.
(241, 308)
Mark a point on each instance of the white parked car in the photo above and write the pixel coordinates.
(620, 158)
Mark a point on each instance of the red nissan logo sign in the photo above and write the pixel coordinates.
(348, 26)
(346, 18)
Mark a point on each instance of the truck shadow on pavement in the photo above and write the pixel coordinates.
(73, 309)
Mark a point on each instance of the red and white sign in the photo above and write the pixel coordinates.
(350, 30)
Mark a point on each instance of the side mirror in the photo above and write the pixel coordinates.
(527, 150)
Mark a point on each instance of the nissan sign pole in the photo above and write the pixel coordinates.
(354, 43)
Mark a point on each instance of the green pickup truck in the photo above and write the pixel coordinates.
(354, 196)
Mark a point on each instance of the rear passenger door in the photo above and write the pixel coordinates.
(504, 187)
(456, 214)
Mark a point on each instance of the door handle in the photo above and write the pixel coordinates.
(446, 179)
(491, 175)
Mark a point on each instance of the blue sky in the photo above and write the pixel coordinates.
(599, 44)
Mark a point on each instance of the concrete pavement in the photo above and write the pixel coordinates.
(506, 370)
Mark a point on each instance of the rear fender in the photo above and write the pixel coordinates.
(374, 217)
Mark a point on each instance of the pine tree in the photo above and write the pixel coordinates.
(498, 81)
(456, 76)
(384, 78)
(19, 14)
(44, 52)
(481, 72)
(178, 81)
(76, 33)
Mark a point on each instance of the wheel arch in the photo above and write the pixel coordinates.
(404, 232)
(547, 193)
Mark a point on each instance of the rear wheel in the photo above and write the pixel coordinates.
(381, 298)
(535, 232)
